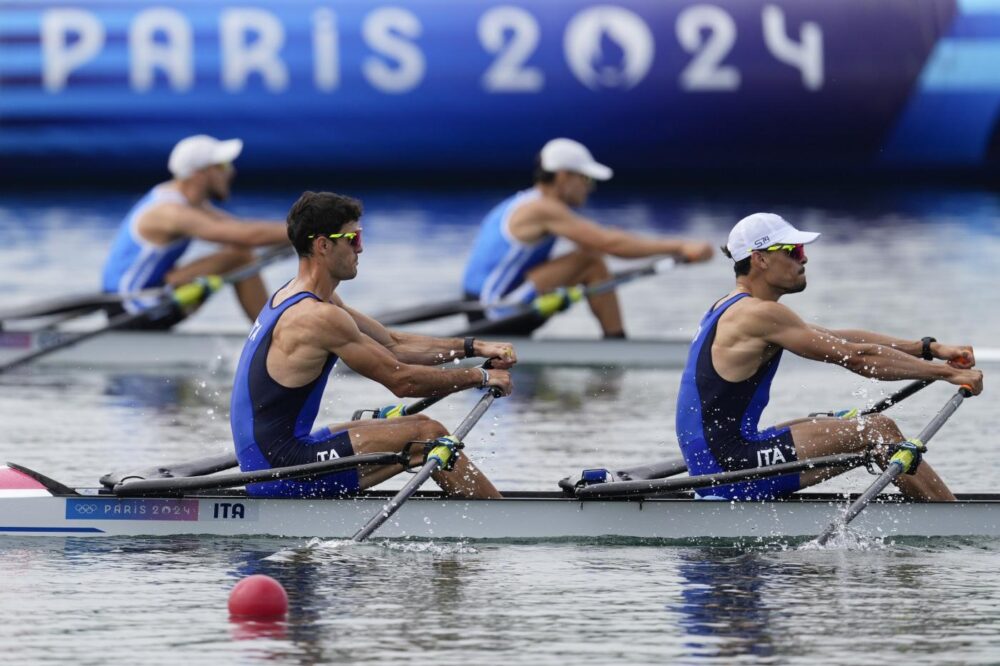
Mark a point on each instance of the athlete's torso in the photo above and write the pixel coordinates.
(266, 416)
(134, 263)
(499, 262)
(711, 409)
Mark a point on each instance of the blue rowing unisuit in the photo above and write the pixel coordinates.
(134, 263)
(271, 423)
(499, 262)
(718, 420)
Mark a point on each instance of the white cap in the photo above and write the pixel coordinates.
(570, 155)
(761, 230)
(200, 151)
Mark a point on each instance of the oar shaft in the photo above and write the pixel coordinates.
(652, 487)
(161, 487)
(894, 469)
(429, 467)
(898, 396)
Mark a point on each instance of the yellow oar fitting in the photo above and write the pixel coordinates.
(909, 455)
(446, 451)
(194, 293)
(558, 300)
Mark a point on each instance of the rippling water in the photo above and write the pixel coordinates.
(907, 264)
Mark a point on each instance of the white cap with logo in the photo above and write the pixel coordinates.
(761, 230)
(570, 155)
(200, 151)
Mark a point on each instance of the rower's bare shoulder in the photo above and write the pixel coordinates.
(755, 315)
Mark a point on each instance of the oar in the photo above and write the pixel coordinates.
(906, 458)
(546, 305)
(650, 487)
(668, 468)
(419, 313)
(439, 456)
(182, 297)
(171, 487)
(60, 305)
(394, 411)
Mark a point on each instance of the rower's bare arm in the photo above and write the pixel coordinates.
(424, 349)
(177, 219)
(339, 334)
(959, 356)
(560, 220)
(776, 324)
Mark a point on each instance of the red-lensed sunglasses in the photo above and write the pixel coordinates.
(796, 252)
(353, 237)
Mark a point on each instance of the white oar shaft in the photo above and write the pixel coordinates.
(429, 467)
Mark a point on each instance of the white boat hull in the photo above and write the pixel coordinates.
(538, 516)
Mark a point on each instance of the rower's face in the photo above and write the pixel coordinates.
(574, 188)
(342, 253)
(219, 180)
(783, 270)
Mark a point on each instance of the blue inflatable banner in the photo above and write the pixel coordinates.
(440, 85)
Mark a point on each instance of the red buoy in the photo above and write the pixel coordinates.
(258, 596)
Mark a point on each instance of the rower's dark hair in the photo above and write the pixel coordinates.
(318, 213)
(741, 267)
(541, 175)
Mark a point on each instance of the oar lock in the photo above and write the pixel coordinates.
(445, 449)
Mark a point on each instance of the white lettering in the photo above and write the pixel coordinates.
(806, 56)
(59, 57)
(326, 50)
(508, 72)
(778, 456)
(382, 30)
(706, 71)
(174, 55)
(241, 57)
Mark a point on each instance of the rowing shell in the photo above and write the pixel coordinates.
(183, 349)
(31, 504)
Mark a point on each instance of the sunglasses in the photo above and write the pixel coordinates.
(353, 237)
(796, 252)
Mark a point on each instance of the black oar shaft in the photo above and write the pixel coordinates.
(895, 468)
(652, 487)
(898, 396)
(166, 487)
(424, 472)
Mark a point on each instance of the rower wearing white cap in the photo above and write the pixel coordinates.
(726, 383)
(511, 259)
(159, 228)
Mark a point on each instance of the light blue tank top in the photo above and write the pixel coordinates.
(499, 262)
(134, 263)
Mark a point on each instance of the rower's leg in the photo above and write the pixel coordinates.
(250, 291)
(582, 267)
(377, 435)
(829, 436)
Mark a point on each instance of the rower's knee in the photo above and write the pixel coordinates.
(881, 434)
(431, 429)
(596, 265)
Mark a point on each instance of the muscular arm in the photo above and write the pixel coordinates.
(407, 347)
(337, 332)
(776, 324)
(554, 217)
(172, 220)
(957, 355)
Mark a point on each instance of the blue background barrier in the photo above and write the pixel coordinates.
(434, 86)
